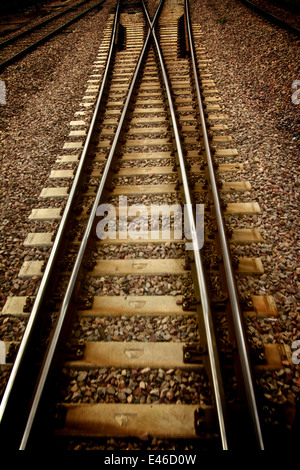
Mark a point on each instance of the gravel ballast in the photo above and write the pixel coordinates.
(43, 91)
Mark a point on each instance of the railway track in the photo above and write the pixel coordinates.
(17, 46)
(148, 146)
(277, 18)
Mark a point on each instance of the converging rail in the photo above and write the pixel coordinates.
(236, 311)
(140, 141)
(200, 277)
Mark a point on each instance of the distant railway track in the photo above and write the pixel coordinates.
(17, 46)
(149, 132)
(273, 18)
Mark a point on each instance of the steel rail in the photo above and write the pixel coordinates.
(270, 17)
(40, 25)
(80, 256)
(37, 308)
(231, 282)
(48, 36)
(205, 303)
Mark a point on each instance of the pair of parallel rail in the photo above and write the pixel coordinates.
(35, 364)
(17, 46)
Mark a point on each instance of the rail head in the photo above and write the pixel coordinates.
(230, 277)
